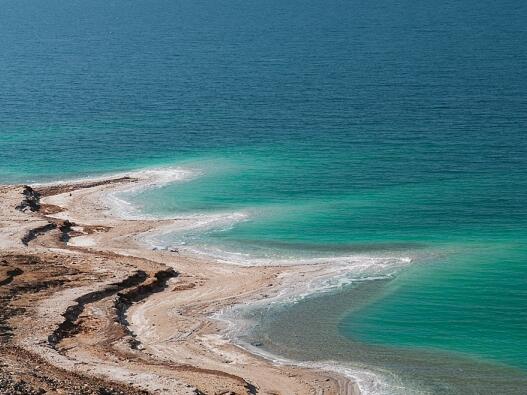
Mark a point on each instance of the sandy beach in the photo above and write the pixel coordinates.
(88, 308)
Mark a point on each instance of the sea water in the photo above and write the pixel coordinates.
(388, 137)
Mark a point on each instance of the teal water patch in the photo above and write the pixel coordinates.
(472, 303)
(288, 206)
(311, 330)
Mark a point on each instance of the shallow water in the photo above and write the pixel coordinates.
(315, 330)
(322, 131)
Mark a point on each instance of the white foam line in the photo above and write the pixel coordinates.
(199, 223)
(378, 382)
(369, 382)
(224, 221)
(156, 174)
(147, 179)
(192, 222)
(321, 279)
(293, 289)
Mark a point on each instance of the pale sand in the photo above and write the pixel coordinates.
(181, 348)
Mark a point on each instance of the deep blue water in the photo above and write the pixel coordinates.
(339, 127)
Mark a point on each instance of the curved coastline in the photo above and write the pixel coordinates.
(314, 275)
(179, 346)
(332, 273)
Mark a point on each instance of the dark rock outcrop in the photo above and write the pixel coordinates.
(34, 233)
(31, 201)
(126, 299)
(70, 326)
(65, 230)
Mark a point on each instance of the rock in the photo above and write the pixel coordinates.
(31, 201)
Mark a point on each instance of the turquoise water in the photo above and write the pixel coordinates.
(337, 129)
(471, 302)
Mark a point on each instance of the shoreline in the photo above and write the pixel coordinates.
(180, 345)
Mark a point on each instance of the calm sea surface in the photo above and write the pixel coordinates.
(336, 128)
